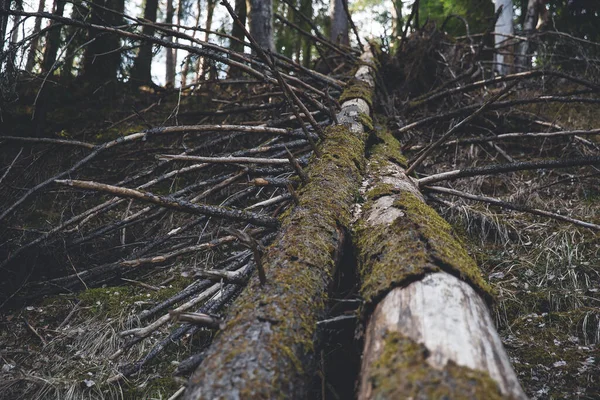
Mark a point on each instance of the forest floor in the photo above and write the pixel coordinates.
(546, 273)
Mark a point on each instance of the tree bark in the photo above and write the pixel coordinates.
(102, 57)
(188, 61)
(202, 64)
(33, 47)
(428, 333)
(339, 23)
(53, 40)
(529, 25)
(4, 23)
(141, 73)
(396, 20)
(171, 53)
(504, 26)
(266, 348)
(238, 33)
(261, 23)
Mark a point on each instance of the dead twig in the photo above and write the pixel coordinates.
(173, 203)
(509, 167)
(512, 206)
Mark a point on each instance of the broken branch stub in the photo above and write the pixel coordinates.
(266, 347)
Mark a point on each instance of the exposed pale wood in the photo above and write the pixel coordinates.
(451, 320)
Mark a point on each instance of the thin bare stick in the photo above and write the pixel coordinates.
(499, 79)
(173, 203)
(509, 167)
(64, 142)
(271, 201)
(199, 319)
(11, 165)
(296, 165)
(147, 330)
(226, 160)
(162, 258)
(521, 135)
(511, 206)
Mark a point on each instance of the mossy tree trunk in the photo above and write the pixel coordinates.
(266, 349)
(428, 333)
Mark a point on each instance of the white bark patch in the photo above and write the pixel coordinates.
(383, 212)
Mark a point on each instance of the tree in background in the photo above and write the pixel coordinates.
(238, 33)
(339, 23)
(33, 47)
(202, 63)
(171, 53)
(141, 73)
(53, 40)
(261, 23)
(102, 56)
(504, 31)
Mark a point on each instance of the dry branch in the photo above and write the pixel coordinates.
(511, 206)
(509, 167)
(226, 160)
(173, 203)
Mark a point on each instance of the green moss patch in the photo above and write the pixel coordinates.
(402, 372)
(268, 340)
(357, 89)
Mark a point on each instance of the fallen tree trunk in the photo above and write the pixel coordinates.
(265, 350)
(429, 333)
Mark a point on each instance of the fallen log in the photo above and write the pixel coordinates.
(428, 332)
(265, 349)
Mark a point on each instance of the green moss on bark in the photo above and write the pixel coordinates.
(357, 89)
(416, 242)
(402, 372)
(267, 343)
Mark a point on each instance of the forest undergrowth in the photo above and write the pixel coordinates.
(91, 279)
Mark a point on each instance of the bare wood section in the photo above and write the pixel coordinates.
(452, 323)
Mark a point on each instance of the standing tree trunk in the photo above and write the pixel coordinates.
(504, 27)
(141, 73)
(339, 23)
(261, 23)
(238, 33)
(529, 24)
(76, 39)
(12, 50)
(4, 23)
(53, 39)
(306, 8)
(188, 60)
(202, 65)
(171, 53)
(33, 47)
(396, 20)
(102, 57)
(429, 333)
